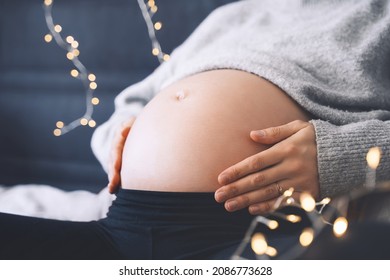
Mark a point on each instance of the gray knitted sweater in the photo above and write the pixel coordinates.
(331, 57)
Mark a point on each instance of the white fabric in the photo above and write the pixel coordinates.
(50, 202)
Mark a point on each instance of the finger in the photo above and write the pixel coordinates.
(125, 131)
(271, 205)
(115, 167)
(256, 196)
(114, 184)
(253, 182)
(253, 197)
(250, 165)
(276, 134)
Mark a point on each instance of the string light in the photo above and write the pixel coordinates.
(91, 77)
(293, 218)
(48, 38)
(272, 224)
(92, 123)
(95, 101)
(307, 201)
(58, 28)
(306, 237)
(340, 226)
(257, 240)
(70, 45)
(74, 73)
(84, 121)
(157, 25)
(259, 244)
(69, 39)
(148, 11)
(373, 158)
(271, 251)
(60, 124)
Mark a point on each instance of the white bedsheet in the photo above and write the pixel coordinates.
(49, 202)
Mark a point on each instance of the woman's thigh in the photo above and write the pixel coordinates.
(24, 237)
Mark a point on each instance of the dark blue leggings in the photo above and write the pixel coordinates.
(139, 225)
(166, 225)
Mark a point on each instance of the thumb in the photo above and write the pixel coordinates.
(276, 134)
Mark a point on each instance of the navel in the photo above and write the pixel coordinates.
(180, 95)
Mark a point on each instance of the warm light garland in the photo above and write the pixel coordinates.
(258, 241)
(148, 10)
(70, 45)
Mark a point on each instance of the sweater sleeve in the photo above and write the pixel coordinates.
(341, 154)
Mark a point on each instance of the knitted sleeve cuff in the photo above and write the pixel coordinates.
(341, 154)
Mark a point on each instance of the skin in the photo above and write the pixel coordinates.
(115, 166)
(291, 161)
(200, 125)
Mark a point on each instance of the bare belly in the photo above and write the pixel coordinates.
(197, 127)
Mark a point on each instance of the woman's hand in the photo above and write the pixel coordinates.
(114, 169)
(259, 180)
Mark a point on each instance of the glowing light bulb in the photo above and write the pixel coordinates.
(326, 200)
(373, 157)
(75, 44)
(340, 226)
(153, 9)
(273, 224)
(92, 123)
(59, 124)
(151, 3)
(271, 251)
(93, 85)
(57, 132)
(259, 244)
(166, 57)
(158, 25)
(91, 77)
(83, 121)
(95, 101)
(306, 237)
(74, 73)
(70, 56)
(48, 38)
(58, 28)
(48, 2)
(307, 202)
(76, 52)
(69, 39)
(155, 51)
(293, 218)
(288, 192)
(290, 200)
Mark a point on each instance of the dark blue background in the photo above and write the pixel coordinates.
(36, 89)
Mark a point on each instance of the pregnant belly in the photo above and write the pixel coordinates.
(197, 127)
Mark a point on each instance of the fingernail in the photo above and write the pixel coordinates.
(223, 178)
(253, 209)
(220, 196)
(232, 205)
(260, 133)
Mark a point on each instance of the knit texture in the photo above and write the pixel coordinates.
(331, 57)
